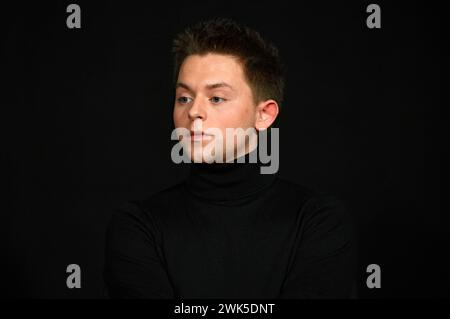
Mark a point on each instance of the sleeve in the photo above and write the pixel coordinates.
(134, 266)
(324, 260)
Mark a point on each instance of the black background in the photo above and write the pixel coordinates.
(87, 114)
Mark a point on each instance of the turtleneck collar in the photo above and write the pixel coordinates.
(228, 181)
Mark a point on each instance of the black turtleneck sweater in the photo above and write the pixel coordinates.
(230, 232)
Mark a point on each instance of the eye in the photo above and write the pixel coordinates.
(217, 100)
(183, 100)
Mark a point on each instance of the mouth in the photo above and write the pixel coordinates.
(200, 136)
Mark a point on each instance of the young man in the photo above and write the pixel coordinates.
(229, 231)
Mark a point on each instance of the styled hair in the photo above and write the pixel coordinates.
(259, 58)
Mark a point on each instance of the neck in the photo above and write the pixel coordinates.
(230, 180)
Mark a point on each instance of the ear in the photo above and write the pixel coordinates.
(266, 113)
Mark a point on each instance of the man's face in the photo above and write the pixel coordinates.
(212, 92)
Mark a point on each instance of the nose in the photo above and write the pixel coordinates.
(197, 110)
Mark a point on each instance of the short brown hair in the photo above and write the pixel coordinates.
(259, 58)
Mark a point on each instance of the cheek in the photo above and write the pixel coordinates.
(177, 118)
(248, 116)
(238, 119)
(231, 119)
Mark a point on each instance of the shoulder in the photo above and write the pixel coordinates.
(326, 204)
(144, 211)
(312, 199)
(291, 188)
(295, 194)
(318, 210)
(160, 197)
(326, 216)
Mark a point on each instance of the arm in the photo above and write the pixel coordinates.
(324, 258)
(133, 263)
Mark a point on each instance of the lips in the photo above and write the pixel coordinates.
(199, 135)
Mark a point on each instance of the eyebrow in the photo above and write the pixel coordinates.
(208, 86)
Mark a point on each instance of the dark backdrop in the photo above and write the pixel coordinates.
(86, 123)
